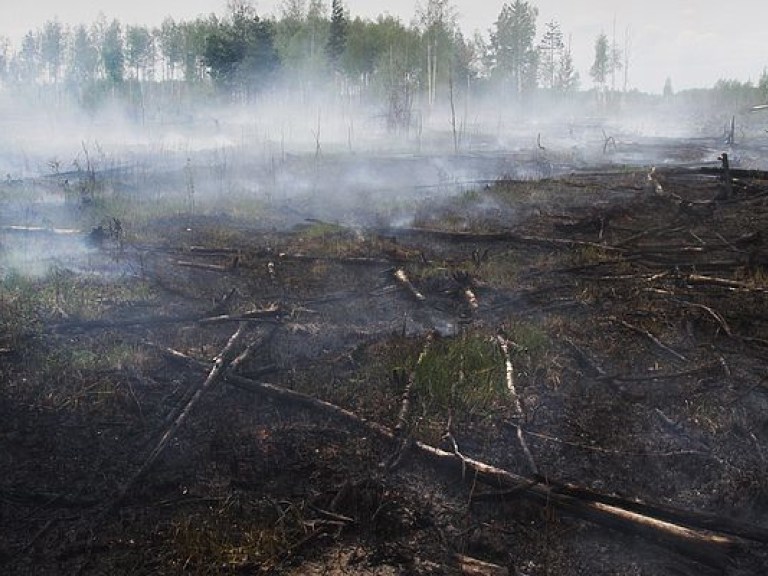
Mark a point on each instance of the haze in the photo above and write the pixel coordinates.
(694, 44)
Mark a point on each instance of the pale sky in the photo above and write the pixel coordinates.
(695, 43)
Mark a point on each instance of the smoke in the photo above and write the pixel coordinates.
(289, 156)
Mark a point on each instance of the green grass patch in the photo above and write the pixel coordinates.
(464, 375)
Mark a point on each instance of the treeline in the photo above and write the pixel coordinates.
(241, 54)
(312, 45)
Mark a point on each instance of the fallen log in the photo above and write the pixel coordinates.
(711, 546)
(650, 337)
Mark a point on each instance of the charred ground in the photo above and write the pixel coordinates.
(600, 334)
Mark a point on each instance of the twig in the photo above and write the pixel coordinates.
(660, 376)
(650, 337)
(716, 315)
(585, 358)
(668, 454)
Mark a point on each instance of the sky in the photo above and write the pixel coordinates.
(694, 43)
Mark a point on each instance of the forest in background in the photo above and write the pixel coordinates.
(315, 50)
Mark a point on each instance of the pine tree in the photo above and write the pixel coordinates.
(337, 36)
(567, 79)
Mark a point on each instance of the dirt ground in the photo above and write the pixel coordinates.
(600, 334)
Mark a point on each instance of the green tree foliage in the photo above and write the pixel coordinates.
(27, 64)
(140, 49)
(83, 60)
(567, 77)
(438, 25)
(301, 38)
(52, 49)
(170, 40)
(112, 53)
(513, 57)
(239, 52)
(194, 35)
(337, 34)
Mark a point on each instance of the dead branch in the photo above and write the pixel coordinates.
(610, 452)
(352, 260)
(220, 366)
(697, 279)
(266, 314)
(495, 237)
(510, 380)
(711, 544)
(509, 374)
(204, 266)
(712, 312)
(473, 567)
(661, 376)
(650, 337)
(203, 250)
(405, 408)
(585, 359)
(402, 278)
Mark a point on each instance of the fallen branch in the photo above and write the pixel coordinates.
(203, 266)
(269, 313)
(509, 374)
(220, 366)
(469, 566)
(650, 337)
(405, 409)
(496, 237)
(585, 359)
(660, 376)
(712, 546)
(712, 312)
(695, 279)
(402, 278)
